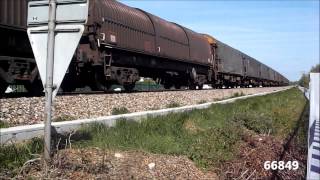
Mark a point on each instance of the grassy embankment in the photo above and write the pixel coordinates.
(208, 137)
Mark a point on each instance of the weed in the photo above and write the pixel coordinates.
(154, 108)
(237, 94)
(173, 105)
(3, 124)
(121, 110)
(302, 136)
(201, 102)
(64, 118)
(14, 156)
(274, 113)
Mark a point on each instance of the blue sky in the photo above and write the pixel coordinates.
(282, 34)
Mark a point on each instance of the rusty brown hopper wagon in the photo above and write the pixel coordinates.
(122, 44)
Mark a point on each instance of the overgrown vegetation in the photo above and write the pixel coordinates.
(13, 156)
(274, 114)
(120, 110)
(208, 137)
(173, 105)
(302, 133)
(304, 80)
(237, 94)
(64, 118)
(201, 102)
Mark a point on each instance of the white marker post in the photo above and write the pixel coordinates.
(313, 161)
(54, 30)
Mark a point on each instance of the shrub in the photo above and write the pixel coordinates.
(64, 118)
(173, 105)
(120, 110)
(202, 101)
(237, 94)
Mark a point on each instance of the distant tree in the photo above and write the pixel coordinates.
(304, 80)
(315, 69)
(293, 83)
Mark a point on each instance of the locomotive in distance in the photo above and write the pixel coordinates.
(122, 44)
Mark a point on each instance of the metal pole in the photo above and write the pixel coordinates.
(49, 79)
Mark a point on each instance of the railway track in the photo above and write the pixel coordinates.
(25, 94)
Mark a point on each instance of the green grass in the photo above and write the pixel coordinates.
(4, 124)
(300, 142)
(121, 110)
(13, 156)
(208, 137)
(276, 113)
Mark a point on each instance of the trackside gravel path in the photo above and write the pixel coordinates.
(23, 111)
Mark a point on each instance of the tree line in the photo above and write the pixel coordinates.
(305, 78)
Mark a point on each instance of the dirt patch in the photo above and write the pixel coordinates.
(294, 153)
(256, 149)
(191, 126)
(96, 163)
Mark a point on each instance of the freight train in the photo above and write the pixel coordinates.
(121, 44)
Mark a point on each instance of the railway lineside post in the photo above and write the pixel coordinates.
(49, 79)
(313, 164)
(54, 30)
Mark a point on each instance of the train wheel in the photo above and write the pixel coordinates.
(69, 83)
(67, 88)
(167, 86)
(99, 82)
(192, 87)
(100, 87)
(129, 87)
(177, 86)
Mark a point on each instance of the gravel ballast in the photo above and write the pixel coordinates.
(23, 111)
